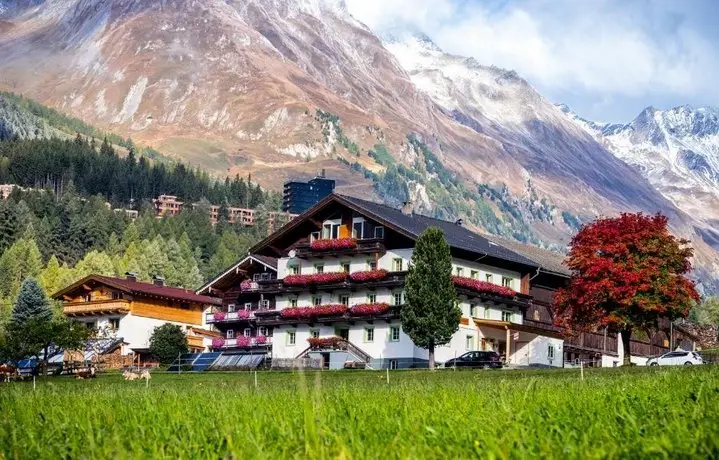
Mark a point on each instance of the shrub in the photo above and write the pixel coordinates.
(166, 342)
(483, 287)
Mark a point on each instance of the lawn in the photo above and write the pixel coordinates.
(612, 413)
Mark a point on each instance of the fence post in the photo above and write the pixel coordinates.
(255, 378)
(33, 382)
(179, 363)
(581, 369)
(388, 375)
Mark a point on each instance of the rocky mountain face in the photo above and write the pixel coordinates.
(677, 150)
(283, 88)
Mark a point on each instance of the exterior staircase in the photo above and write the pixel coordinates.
(341, 345)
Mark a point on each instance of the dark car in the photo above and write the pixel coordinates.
(477, 359)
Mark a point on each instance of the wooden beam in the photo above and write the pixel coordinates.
(509, 342)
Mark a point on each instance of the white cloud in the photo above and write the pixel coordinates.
(606, 47)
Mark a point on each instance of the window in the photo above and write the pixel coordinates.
(397, 265)
(262, 330)
(394, 333)
(293, 301)
(469, 342)
(371, 297)
(331, 231)
(472, 310)
(88, 298)
(291, 337)
(488, 278)
(231, 307)
(397, 298)
(248, 306)
(345, 266)
(314, 236)
(344, 299)
(393, 364)
(247, 332)
(230, 334)
(317, 300)
(315, 333)
(507, 316)
(293, 269)
(114, 323)
(91, 325)
(535, 315)
(116, 295)
(369, 334)
(550, 351)
(379, 232)
(319, 268)
(371, 264)
(487, 313)
(459, 271)
(358, 230)
(474, 274)
(507, 282)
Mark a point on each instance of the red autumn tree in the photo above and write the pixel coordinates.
(627, 273)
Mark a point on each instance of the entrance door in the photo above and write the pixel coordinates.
(343, 332)
(325, 360)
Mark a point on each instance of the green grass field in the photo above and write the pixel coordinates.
(613, 413)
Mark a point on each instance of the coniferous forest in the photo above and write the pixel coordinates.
(60, 228)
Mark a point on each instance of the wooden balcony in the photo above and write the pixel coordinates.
(232, 343)
(363, 246)
(238, 316)
(276, 319)
(195, 341)
(99, 307)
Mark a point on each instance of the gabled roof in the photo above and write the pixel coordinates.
(548, 261)
(269, 262)
(140, 289)
(412, 226)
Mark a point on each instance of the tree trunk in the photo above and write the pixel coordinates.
(431, 356)
(626, 334)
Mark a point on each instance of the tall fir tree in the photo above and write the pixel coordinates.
(32, 304)
(430, 315)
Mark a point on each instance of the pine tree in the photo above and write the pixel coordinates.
(22, 260)
(31, 304)
(50, 277)
(430, 316)
(95, 263)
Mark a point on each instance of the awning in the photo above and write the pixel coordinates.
(504, 325)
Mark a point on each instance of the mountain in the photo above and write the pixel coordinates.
(282, 89)
(677, 150)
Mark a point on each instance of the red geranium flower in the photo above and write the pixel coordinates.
(317, 278)
(371, 275)
(483, 287)
(369, 309)
(329, 244)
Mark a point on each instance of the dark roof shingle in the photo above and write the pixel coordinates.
(457, 236)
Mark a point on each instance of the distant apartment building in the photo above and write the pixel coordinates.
(167, 205)
(298, 197)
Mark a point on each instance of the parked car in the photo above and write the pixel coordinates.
(676, 358)
(477, 359)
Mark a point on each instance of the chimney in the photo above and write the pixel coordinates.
(131, 276)
(458, 222)
(407, 208)
(158, 280)
(322, 174)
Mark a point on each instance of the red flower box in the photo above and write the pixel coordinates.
(219, 316)
(330, 244)
(243, 314)
(260, 340)
(371, 275)
(218, 342)
(369, 309)
(247, 285)
(325, 342)
(313, 312)
(243, 341)
(483, 287)
(317, 278)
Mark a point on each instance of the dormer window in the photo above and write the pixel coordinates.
(314, 236)
(358, 226)
(330, 230)
(379, 232)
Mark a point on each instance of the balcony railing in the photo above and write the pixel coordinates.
(96, 308)
(275, 318)
(362, 246)
(194, 341)
(232, 343)
(234, 316)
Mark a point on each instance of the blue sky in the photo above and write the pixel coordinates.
(606, 59)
